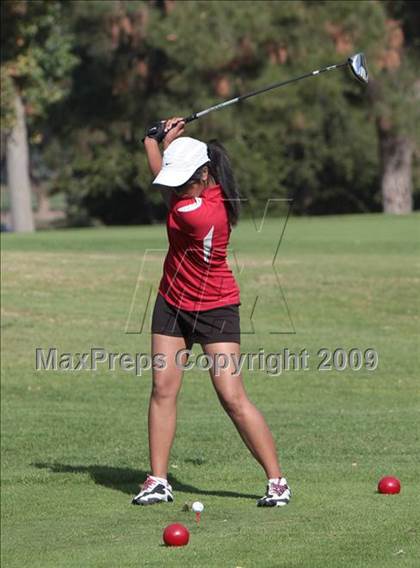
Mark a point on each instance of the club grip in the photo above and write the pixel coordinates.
(153, 130)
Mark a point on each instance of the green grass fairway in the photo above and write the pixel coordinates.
(74, 444)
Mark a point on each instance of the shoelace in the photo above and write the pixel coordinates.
(148, 483)
(278, 488)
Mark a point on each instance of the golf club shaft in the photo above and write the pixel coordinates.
(197, 115)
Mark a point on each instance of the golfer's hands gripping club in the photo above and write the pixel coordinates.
(174, 127)
(166, 130)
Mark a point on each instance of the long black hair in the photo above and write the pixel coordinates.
(221, 171)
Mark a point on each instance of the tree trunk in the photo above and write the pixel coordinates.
(43, 209)
(396, 154)
(18, 181)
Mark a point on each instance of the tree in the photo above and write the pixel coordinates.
(316, 141)
(35, 61)
(395, 94)
(105, 176)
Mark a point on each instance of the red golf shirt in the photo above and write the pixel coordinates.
(196, 275)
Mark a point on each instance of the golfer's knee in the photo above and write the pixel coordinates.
(235, 404)
(162, 392)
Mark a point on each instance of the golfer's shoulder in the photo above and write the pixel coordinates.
(189, 205)
(199, 210)
(190, 213)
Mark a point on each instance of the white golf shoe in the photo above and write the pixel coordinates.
(153, 491)
(278, 494)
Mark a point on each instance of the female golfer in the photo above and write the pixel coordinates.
(198, 302)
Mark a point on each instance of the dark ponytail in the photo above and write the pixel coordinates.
(221, 171)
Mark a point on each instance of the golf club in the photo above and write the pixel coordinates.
(357, 64)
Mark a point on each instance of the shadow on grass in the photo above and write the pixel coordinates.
(127, 480)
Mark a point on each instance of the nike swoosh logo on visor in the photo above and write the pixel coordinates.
(191, 206)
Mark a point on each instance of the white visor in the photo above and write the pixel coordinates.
(181, 159)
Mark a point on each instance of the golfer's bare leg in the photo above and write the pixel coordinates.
(249, 422)
(162, 407)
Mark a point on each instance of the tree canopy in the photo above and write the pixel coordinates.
(318, 141)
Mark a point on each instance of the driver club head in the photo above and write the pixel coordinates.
(358, 67)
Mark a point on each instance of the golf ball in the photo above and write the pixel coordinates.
(197, 507)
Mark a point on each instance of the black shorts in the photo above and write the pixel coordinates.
(209, 326)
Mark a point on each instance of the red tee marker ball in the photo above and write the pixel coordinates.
(176, 535)
(389, 485)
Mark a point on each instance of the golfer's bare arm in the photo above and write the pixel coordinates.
(154, 156)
